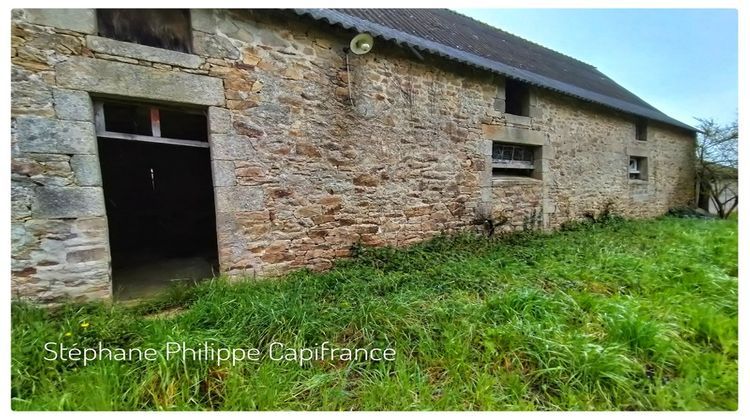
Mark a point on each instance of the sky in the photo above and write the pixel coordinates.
(682, 61)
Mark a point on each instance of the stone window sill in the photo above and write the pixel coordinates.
(638, 181)
(142, 52)
(498, 181)
(518, 120)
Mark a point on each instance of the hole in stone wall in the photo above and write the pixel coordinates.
(161, 28)
(516, 98)
(641, 129)
(160, 210)
(638, 168)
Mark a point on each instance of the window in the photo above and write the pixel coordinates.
(638, 168)
(516, 98)
(161, 28)
(151, 123)
(511, 159)
(641, 129)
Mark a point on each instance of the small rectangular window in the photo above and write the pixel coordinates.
(161, 28)
(638, 168)
(512, 159)
(151, 123)
(127, 118)
(516, 98)
(183, 125)
(641, 129)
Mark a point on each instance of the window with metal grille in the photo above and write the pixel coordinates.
(511, 159)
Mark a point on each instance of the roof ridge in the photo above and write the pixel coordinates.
(494, 28)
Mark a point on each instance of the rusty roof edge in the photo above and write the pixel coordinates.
(334, 17)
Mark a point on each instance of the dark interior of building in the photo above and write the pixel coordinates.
(516, 98)
(161, 28)
(160, 210)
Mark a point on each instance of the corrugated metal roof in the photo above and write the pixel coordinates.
(460, 38)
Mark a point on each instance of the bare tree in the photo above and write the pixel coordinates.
(717, 166)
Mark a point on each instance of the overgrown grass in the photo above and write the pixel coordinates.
(623, 316)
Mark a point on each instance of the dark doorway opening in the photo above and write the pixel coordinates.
(160, 209)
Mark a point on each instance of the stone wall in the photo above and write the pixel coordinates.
(58, 224)
(310, 154)
(517, 205)
(589, 149)
(394, 164)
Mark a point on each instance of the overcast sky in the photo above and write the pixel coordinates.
(683, 62)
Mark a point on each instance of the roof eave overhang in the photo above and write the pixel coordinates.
(334, 17)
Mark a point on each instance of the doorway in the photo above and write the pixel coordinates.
(158, 190)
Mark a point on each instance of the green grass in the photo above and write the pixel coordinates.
(610, 316)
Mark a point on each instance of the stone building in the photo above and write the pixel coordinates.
(253, 142)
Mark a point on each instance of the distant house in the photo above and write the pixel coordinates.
(178, 143)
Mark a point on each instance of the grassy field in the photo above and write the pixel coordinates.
(616, 315)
